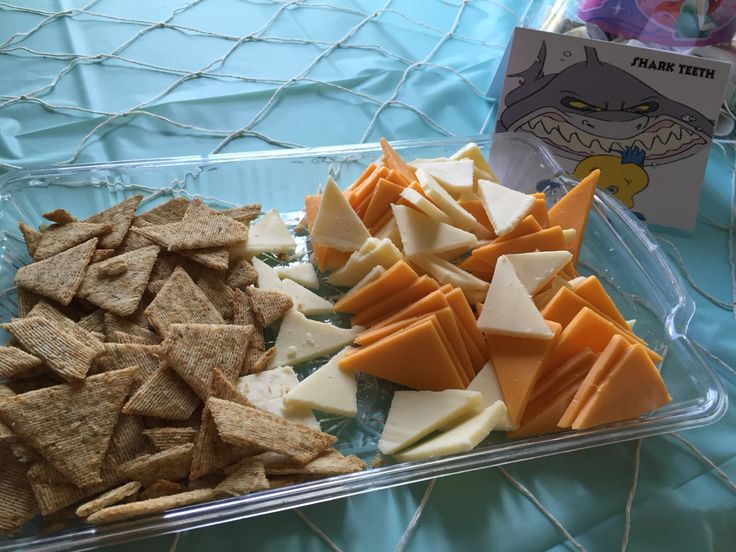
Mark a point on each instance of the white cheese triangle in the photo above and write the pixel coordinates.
(505, 207)
(420, 235)
(328, 389)
(390, 230)
(267, 277)
(301, 273)
(425, 205)
(486, 383)
(537, 269)
(301, 339)
(337, 225)
(509, 309)
(414, 414)
(373, 252)
(269, 234)
(266, 391)
(306, 301)
(461, 438)
(447, 273)
(458, 216)
(472, 151)
(455, 176)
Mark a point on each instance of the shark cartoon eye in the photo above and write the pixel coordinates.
(579, 105)
(612, 189)
(643, 108)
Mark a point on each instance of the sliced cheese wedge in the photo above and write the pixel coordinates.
(509, 309)
(458, 216)
(415, 414)
(424, 205)
(269, 234)
(390, 230)
(267, 277)
(305, 300)
(374, 252)
(266, 391)
(505, 207)
(472, 151)
(535, 270)
(447, 273)
(328, 389)
(301, 339)
(486, 383)
(302, 273)
(420, 235)
(461, 438)
(337, 225)
(455, 176)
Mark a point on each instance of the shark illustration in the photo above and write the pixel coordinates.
(592, 108)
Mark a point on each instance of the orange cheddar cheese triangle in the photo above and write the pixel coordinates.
(423, 286)
(633, 387)
(415, 357)
(383, 196)
(572, 210)
(613, 352)
(566, 304)
(440, 327)
(475, 208)
(395, 162)
(539, 210)
(397, 278)
(590, 329)
(549, 239)
(363, 176)
(592, 291)
(518, 362)
(429, 303)
(376, 334)
(550, 399)
(528, 225)
(459, 303)
(365, 189)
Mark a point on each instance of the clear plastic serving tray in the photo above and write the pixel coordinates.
(617, 248)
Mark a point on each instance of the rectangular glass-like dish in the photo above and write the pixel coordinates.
(617, 248)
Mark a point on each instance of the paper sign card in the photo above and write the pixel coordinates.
(644, 117)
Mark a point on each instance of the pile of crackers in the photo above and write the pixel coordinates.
(118, 387)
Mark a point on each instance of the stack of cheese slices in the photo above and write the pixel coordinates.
(466, 292)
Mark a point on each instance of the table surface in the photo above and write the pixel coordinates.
(88, 81)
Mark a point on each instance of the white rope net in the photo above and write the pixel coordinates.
(108, 79)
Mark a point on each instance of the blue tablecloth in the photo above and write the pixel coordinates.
(111, 79)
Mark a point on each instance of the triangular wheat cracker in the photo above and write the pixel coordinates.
(101, 255)
(195, 350)
(26, 301)
(244, 213)
(133, 241)
(159, 488)
(241, 274)
(329, 463)
(60, 237)
(14, 362)
(216, 258)
(268, 306)
(57, 277)
(172, 463)
(163, 395)
(117, 324)
(60, 216)
(109, 498)
(66, 356)
(210, 452)
(152, 506)
(247, 426)
(163, 438)
(171, 211)
(71, 425)
(94, 321)
(246, 476)
(31, 237)
(17, 503)
(122, 355)
(220, 294)
(67, 325)
(162, 234)
(203, 227)
(120, 216)
(181, 301)
(121, 292)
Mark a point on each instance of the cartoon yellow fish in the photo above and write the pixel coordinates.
(622, 175)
